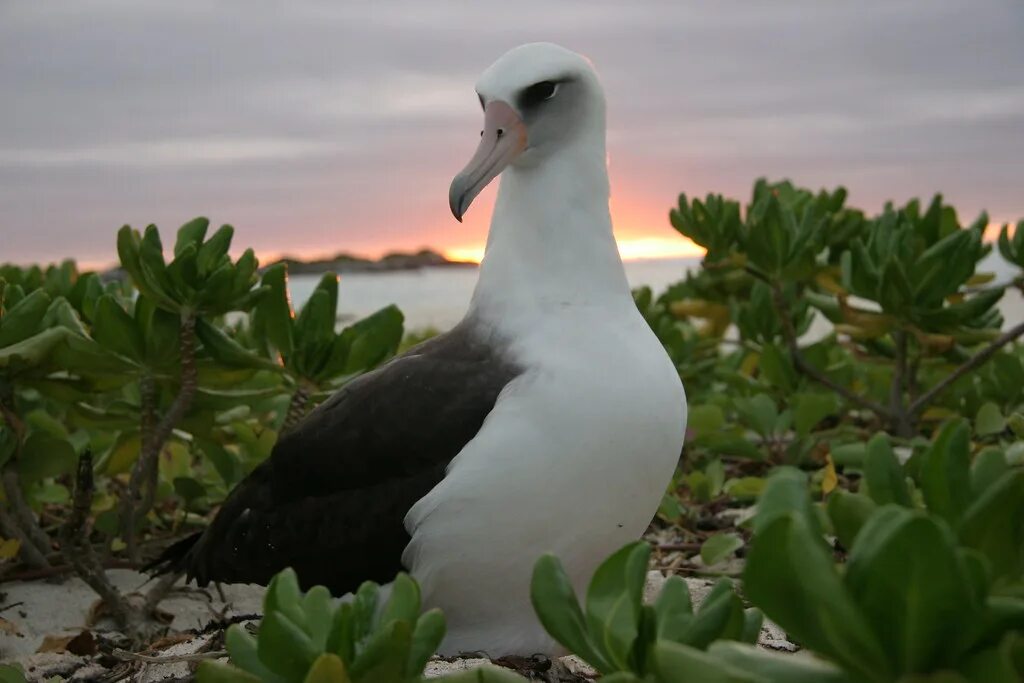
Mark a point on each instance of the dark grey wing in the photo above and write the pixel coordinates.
(331, 499)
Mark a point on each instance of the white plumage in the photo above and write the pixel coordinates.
(577, 451)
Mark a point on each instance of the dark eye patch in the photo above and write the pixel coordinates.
(533, 95)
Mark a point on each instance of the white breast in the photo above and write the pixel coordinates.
(573, 459)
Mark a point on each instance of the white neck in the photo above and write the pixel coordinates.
(550, 244)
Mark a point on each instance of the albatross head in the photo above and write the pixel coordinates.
(537, 99)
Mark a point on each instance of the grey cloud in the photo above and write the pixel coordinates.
(331, 125)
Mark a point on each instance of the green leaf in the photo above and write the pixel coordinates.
(989, 421)
(758, 412)
(674, 662)
(211, 671)
(319, 614)
(383, 655)
(273, 317)
(555, 603)
(705, 419)
(776, 668)
(244, 653)
(283, 595)
(229, 352)
(191, 235)
(404, 602)
(777, 369)
(994, 525)
(115, 330)
(988, 467)
(283, 646)
(613, 601)
(811, 408)
(11, 674)
(673, 609)
(904, 574)
(44, 456)
(487, 674)
(22, 320)
(786, 492)
(719, 547)
(213, 252)
(789, 575)
(886, 482)
(945, 472)
(719, 616)
(328, 668)
(848, 513)
(426, 638)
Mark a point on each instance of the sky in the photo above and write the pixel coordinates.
(319, 127)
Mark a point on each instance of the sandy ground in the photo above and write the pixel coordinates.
(37, 619)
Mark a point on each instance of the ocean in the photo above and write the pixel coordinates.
(438, 297)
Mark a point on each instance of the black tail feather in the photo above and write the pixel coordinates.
(175, 558)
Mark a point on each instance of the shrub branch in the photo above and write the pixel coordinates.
(139, 498)
(804, 366)
(75, 546)
(975, 361)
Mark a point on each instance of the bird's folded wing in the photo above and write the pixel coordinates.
(331, 498)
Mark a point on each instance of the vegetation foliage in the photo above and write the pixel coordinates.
(854, 454)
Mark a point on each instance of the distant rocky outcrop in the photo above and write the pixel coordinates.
(349, 263)
(346, 263)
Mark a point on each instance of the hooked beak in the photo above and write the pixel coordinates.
(503, 139)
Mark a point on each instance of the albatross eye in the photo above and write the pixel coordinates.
(537, 93)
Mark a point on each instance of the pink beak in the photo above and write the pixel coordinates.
(502, 140)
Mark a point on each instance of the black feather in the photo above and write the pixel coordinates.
(331, 499)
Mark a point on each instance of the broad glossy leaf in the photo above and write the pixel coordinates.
(719, 547)
(848, 513)
(989, 421)
(555, 603)
(213, 252)
(886, 482)
(229, 352)
(319, 612)
(22, 320)
(719, 616)
(904, 574)
(811, 408)
(987, 468)
(115, 330)
(994, 525)
(705, 419)
(212, 671)
(758, 412)
(283, 595)
(675, 662)
(44, 455)
(673, 609)
(785, 492)
(945, 472)
(791, 578)
(273, 317)
(404, 602)
(328, 668)
(383, 657)
(613, 601)
(244, 653)
(772, 667)
(191, 235)
(492, 674)
(284, 647)
(426, 638)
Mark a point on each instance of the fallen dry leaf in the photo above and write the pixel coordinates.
(8, 628)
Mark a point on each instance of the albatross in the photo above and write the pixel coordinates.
(550, 419)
